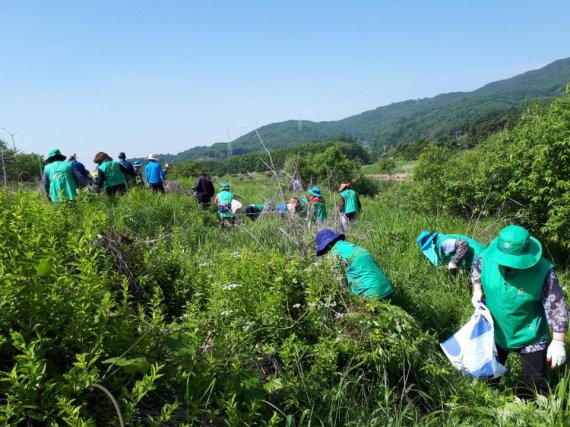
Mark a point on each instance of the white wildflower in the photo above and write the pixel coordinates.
(231, 286)
(247, 326)
(296, 305)
(226, 312)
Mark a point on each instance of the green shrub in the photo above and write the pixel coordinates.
(520, 174)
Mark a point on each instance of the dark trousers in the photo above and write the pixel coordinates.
(157, 187)
(351, 216)
(533, 366)
(204, 200)
(114, 189)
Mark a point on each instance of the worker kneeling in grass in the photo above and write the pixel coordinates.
(455, 250)
(363, 274)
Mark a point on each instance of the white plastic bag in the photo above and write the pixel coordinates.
(472, 349)
(236, 204)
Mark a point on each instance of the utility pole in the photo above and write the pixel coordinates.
(11, 136)
(4, 167)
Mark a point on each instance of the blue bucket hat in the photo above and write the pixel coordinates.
(326, 237)
(315, 191)
(225, 186)
(137, 163)
(425, 240)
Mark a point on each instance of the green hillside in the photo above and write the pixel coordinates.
(427, 118)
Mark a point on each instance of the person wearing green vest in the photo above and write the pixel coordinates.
(111, 174)
(349, 205)
(254, 210)
(298, 206)
(363, 274)
(223, 201)
(522, 292)
(317, 207)
(60, 178)
(455, 250)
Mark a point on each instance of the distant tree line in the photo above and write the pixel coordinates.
(18, 165)
(260, 161)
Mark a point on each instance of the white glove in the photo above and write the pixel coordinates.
(556, 354)
(476, 298)
(451, 266)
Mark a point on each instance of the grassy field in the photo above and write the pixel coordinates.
(185, 323)
(401, 166)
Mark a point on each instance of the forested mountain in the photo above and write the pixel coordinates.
(465, 113)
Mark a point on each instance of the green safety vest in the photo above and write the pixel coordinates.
(62, 184)
(302, 207)
(225, 204)
(318, 212)
(474, 250)
(362, 273)
(113, 174)
(515, 302)
(350, 200)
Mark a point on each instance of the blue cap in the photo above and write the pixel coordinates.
(315, 191)
(324, 238)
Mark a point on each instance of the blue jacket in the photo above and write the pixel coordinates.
(79, 167)
(153, 173)
(128, 165)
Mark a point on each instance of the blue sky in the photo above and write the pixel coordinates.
(163, 76)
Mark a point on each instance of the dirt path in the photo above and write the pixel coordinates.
(404, 176)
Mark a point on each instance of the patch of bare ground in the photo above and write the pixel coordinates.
(404, 176)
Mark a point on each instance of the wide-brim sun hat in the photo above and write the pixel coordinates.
(315, 191)
(137, 163)
(515, 248)
(324, 238)
(425, 241)
(225, 186)
(55, 154)
(151, 156)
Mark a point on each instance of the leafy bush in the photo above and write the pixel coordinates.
(521, 173)
(330, 168)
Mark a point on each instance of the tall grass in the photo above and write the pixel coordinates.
(245, 324)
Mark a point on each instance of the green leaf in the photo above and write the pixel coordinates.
(135, 365)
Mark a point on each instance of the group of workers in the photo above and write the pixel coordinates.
(518, 286)
(314, 208)
(510, 277)
(63, 176)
